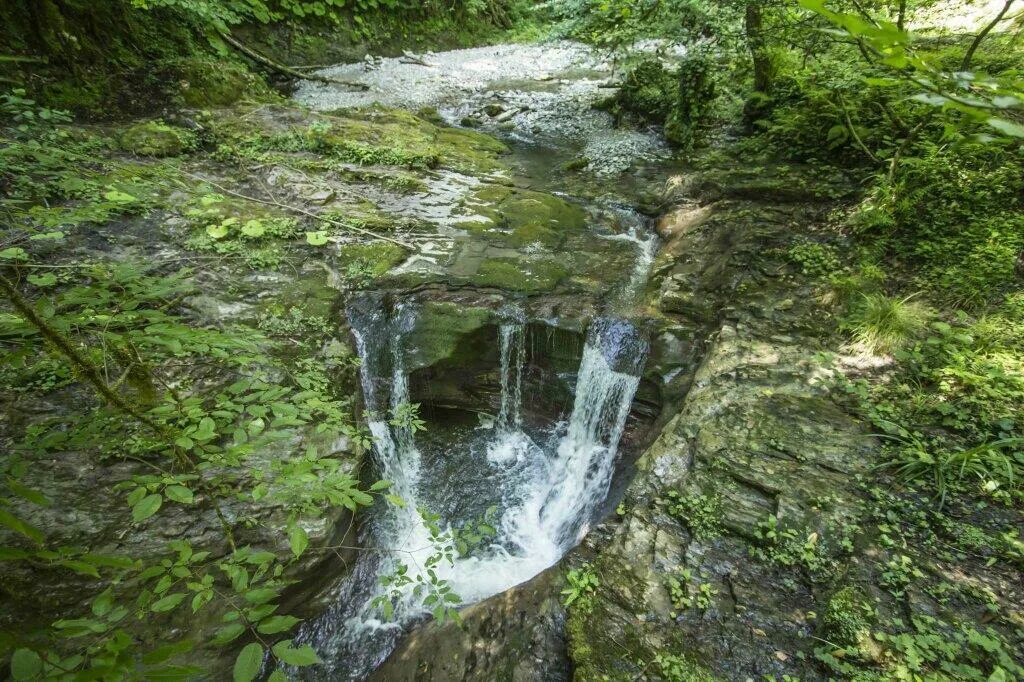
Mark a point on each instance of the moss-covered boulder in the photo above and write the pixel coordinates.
(440, 330)
(156, 138)
(206, 82)
(524, 276)
(517, 217)
(369, 261)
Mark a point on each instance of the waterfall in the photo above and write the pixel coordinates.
(513, 357)
(581, 472)
(551, 489)
(351, 637)
(556, 495)
(510, 443)
(646, 240)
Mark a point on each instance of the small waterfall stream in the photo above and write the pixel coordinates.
(551, 488)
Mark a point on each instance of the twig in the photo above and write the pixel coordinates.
(853, 132)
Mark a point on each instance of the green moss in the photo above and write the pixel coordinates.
(371, 260)
(528, 277)
(155, 138)
(206, 82)
(440, 330)
(79, 96)
(516, 217)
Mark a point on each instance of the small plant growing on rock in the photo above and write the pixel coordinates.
(582, 584)
(674, 668)
(813, 259)
(701, 596)
(700, 513)
(883, 324)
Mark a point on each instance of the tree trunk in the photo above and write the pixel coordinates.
(753, 26)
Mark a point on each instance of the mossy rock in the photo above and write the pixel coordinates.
(216, 83)
(524, 276)
(155, 138)
(848, 617)
(422, 142)
(439, 330)
(373, 260)
(517, 217)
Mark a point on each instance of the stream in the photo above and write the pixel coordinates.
(495, 492)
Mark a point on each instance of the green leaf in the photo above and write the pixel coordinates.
(33, 496)
(18, 526)
(102, 604)
(301, 656)
(316, 238)
(179, 493)
(395, 500)
(25, 664)
(228, 633)
(47, 280)
(248, 663)
(119, 197)
(47, 236)
(206, 430)
(277, 676)
(146, 507)
(277, 624)
(261, 595)
(168, 602)
(81, 568)
(13, 253)
(253, 228)
(217, 231)
(1006, 127)
(380, 485)
(161, 654)
(298, 539)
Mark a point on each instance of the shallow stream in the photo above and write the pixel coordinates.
(509, 475)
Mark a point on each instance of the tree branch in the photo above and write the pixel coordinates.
(286, 70)
(966, 63)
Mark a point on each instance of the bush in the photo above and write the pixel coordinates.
(814, 259)
(677, 98)
(882, 324)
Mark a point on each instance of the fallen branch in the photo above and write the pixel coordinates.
(410, 58)
(286, 70)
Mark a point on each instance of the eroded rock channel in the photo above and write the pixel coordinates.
(516, 325)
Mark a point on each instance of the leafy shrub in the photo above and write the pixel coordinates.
(582, 584)
(956, 214)
(700, 513)
(677, 98)
(814, 259)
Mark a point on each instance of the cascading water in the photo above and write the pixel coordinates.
(513, 357)
(639, 233)
(551, 484)
(351, 636)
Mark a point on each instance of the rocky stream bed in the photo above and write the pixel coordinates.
(616, 364)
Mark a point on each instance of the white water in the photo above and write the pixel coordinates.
(549, 495)
(647, 244)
